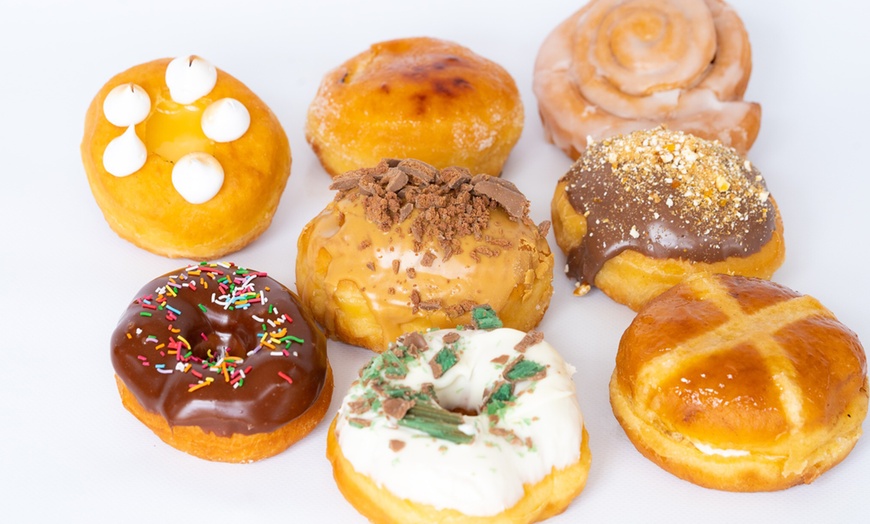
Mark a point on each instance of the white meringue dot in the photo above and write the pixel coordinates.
(125, 154)
(197, 177)
(225, 120)
(190, 78)
(126, 105)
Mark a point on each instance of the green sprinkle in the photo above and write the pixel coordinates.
(446, 358)
(500, 398)
(144, 314)
(436, 422)
(484, 317)
(524, 369)
(204, 310)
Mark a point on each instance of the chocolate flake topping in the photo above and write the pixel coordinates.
(442, 361)
(436, 422)
(396, 445)
(415, 343)
(450, 338)
(451, 203)
(484, 317)
(501, 360)
(532, 337)
(523, 369)
(397, 407)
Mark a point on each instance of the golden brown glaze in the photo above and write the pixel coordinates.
(366, 285)
(145, 209)
(740, 384)
(416, 98)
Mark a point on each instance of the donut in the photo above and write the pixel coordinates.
(220, 362)
(422, 98)
(740, 384)
(407, 247)
(183, 159)
(461, 425)
(618, 66)
(638, 213)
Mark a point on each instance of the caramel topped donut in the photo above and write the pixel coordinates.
(665, 195)
(405, 246)
(224, 349)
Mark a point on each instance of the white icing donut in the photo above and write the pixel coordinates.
(525, 418)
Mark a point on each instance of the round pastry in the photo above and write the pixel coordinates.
(638, 213)
(617, 66)
(407, 247)
(416, 98)
(183, 159)
(740, 384)
(461, 426)
(221, 362)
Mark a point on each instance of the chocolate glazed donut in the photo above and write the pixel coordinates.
(222, 348)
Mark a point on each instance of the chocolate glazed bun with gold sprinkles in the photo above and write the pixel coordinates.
(407, 247)
(740, 384)
(422, 98)
(638, 213)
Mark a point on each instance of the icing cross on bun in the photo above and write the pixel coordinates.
(617, 66)
(637, 213)
(422, 98)
(173, 147)
(405, 246)
(461, 425)
(222, 363)
(740, 384)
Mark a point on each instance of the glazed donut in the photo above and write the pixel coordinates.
(638, 213)
(740, 384)
(173, 147)
(416, 98)
(407, 247)
(617, 66)
(221, 362)
(461, 425)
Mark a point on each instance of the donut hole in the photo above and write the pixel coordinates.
(174, 130)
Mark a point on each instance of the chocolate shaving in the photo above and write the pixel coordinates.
(503, 192)
(507, 434)
(397, 407)
(360, 422)
(457, 310)
(455, 176)
(364, 244)
(415, 342)
(396, 265)
(427, 259)
(430, 305)
(450, 338)
(522, 369)
(412, 273)
(396, 445)
(346, 182)
(500, 360)
(405, 211)
(544, 228)
(370, 265)
(360, 405)
(397, 179)
(532, 337)
(418, 169)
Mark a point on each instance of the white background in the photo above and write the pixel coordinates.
(69, 450)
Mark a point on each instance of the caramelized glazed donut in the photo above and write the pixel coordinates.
(407, 247)
(461, 426)
(222, 363)
(173, 147)
(740, 384)
(617, 66)
(417, 98)
(638, 213)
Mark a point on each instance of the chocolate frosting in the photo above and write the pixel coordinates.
(220, 313)
(666, 194)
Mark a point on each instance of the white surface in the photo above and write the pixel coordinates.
(68, 449)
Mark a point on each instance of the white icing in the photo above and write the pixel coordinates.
(486, 476)
(710, 450)
(225, 120)
(125, 154)
(197, 177)
(190, 78)
(126, 105)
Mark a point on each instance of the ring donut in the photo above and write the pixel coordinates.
(461, 425)
(172, 148)
(220, 362)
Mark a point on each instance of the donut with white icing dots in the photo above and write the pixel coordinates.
(461, 425)
(183, 159)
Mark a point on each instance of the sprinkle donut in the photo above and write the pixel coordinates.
(461, 425)
(173, 147)
(220, 362)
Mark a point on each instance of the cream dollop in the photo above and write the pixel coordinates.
(126, 105)
(197, 177)
(125, 154)
(190, 78)
(225, 120)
